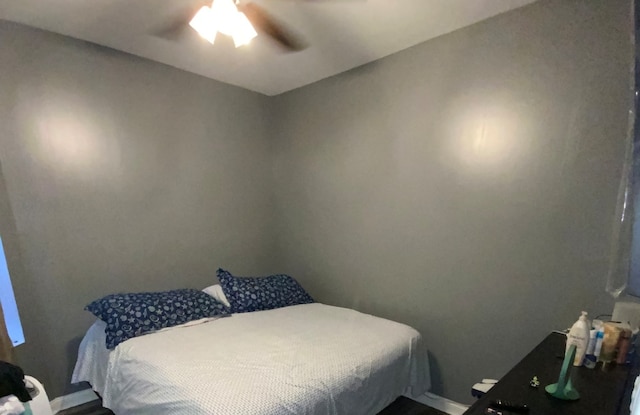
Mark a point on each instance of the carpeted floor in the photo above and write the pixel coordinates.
(401, 406)
(90, 408)
(406, 406)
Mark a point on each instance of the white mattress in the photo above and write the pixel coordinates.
(304, 359)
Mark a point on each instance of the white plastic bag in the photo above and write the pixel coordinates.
(10, 405)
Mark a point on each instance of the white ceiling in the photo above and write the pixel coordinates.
(342, 34)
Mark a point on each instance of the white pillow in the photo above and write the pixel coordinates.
(216, 292)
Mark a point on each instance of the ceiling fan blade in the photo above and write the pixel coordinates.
(263, 22)
(178, 26)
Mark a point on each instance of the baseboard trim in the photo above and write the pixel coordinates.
(73, 399)
(441, 404)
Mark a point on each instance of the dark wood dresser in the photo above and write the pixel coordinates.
(602, 392)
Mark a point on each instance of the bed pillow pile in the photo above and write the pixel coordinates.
(246, 294)
(134, 314)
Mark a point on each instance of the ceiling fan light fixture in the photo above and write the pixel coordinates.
(225, 15)
(204, 23)
(244, 31)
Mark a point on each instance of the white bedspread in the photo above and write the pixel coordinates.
(305, 359)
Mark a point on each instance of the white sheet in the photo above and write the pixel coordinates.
(305, 359)
(93, 358)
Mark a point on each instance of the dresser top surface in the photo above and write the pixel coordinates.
(601, 391)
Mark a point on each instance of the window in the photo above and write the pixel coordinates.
(632, 275)
(8, 302)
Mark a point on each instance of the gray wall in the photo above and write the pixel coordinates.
(465, 186)
(122, 175)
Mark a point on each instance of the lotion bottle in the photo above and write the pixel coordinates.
(590, 358)
(579, 335)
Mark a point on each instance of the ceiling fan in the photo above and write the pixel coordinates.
(238, 19)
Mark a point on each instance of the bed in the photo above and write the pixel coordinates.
(302, 359)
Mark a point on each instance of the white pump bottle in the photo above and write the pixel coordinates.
(579, 335)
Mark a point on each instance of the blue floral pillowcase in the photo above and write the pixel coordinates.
(134, 314)
(246, 294)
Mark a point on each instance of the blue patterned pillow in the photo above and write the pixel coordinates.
(247, 294)
(135, 314)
